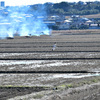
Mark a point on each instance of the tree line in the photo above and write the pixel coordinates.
(66, 8)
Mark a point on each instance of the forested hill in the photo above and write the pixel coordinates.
(66, 8)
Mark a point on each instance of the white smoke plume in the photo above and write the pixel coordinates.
(24, 21)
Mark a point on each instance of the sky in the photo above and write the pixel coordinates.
(29, 2)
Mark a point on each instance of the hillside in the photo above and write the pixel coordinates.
(66, 8)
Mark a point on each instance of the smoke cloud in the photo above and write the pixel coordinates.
(23, 21)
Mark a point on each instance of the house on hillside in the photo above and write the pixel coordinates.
(78, 22)
(72, 22)
(88, 22)
(64, 26)
(54, 22)
(94, 26)
(50, 23)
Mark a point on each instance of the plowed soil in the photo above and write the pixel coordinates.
(29, 67)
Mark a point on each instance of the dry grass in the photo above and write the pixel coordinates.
(92, 16)
(89, 16)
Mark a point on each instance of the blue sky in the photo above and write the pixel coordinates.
(26, 2)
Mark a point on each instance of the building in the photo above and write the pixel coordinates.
(64, 26)
(2, 4)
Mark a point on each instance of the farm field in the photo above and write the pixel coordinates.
(30, 70)
(88, 16)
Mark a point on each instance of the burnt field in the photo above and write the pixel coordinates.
(29, 67)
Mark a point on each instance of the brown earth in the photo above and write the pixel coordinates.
(77, 50)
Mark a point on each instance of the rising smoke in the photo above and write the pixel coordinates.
(23, 21)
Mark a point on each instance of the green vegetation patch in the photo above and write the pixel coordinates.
(79, 83)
